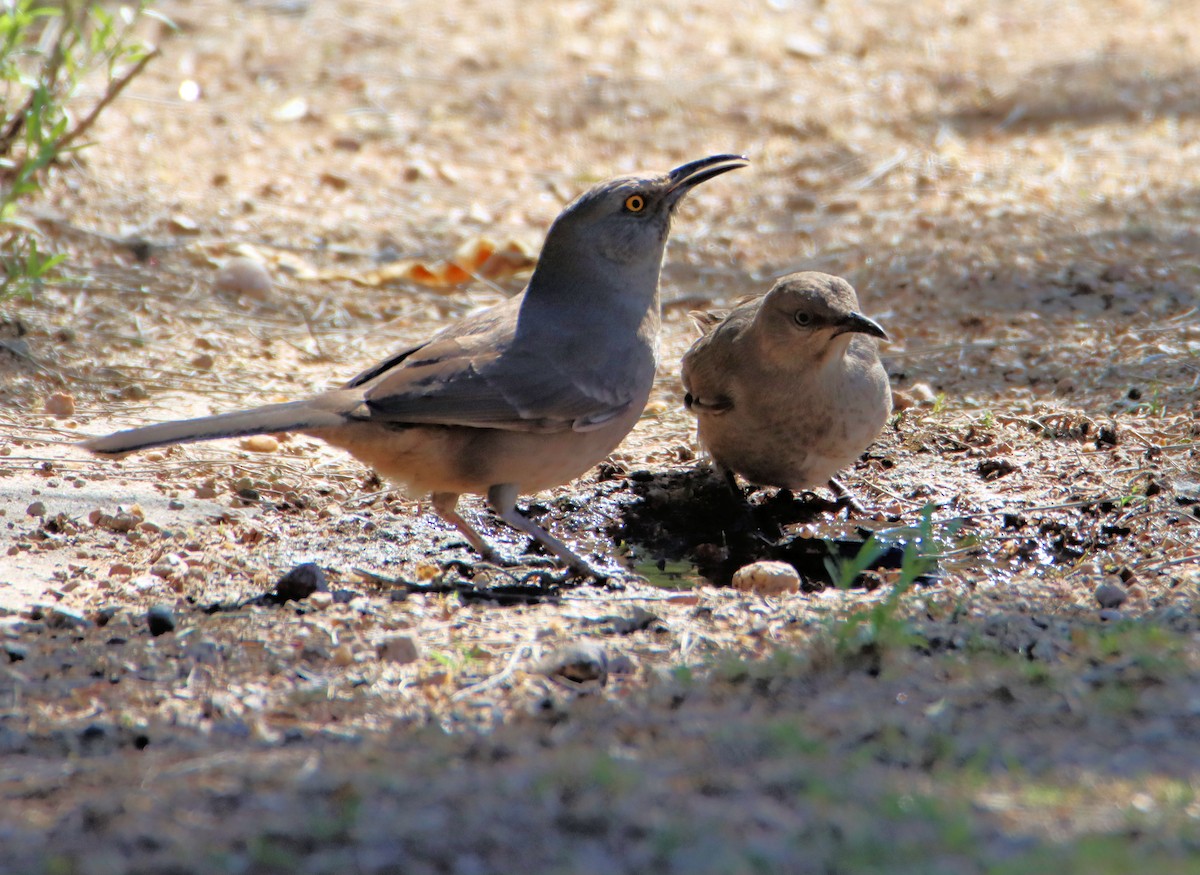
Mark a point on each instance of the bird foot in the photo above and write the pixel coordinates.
(846, 500)
(545, 569)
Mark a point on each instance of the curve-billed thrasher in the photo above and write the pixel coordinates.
(521, 397)
(787, 387)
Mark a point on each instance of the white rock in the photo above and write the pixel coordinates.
(767, 578)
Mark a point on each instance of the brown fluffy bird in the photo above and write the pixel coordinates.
(787, 387)
(523, 396)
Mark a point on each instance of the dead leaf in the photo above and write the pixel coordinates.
(479, 258)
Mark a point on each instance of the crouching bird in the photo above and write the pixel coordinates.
(787, 387)
(526, 395)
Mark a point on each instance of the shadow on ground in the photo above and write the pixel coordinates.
(828, 757)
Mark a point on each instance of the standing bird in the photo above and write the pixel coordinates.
(523, 396)
(787, 388)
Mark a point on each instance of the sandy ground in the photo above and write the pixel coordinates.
(1010, 187)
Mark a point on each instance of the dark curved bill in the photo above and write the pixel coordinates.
(693, 173)
(857, 323)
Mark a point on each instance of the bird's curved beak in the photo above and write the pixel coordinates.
(857, 323)
(685, 177)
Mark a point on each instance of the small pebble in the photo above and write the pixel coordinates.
(38, 508)
(299, 583)
(638, 620)
(1110, 615)
(181, 224)
(578, 666)
(169, 566)
(400, 649)
(121, 521)
(244, 276)
(60, 404)
(1111, 594)
(105, 615)
(15, 652)
(918, 394)
(160, 619)
(261, 443)
(64, 618)
(804, 46)
(767, 578)
(621, 664)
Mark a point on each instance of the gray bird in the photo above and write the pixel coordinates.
(787, 387)
(524, 396)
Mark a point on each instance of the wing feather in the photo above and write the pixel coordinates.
(477, 378)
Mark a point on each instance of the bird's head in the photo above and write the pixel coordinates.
(626, 220)
(813, 314)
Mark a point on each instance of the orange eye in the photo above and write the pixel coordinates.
(635, 203)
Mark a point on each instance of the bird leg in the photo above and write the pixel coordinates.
(731, 481)
(846, 498)
(444, 505)
(748, 523)
(503, 499)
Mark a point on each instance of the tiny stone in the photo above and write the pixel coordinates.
(244, 276)
(168, 566)
(121, 521)
(577, 666)
(261, 443)
(15, 652)
(160, 619)
(38, 508)
(1110, 593)
(60, 404)
(1110, 615)
(181, 224)
(65, 618)
(621, 664)
(767, 578)
(922, 393)
(299, 583)
(400, 649)
(638, 620)
(175, 504)
(804, 46)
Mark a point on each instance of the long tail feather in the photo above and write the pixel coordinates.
(292, 416)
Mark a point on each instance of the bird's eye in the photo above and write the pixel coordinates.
(803, 318)
(635, 203)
